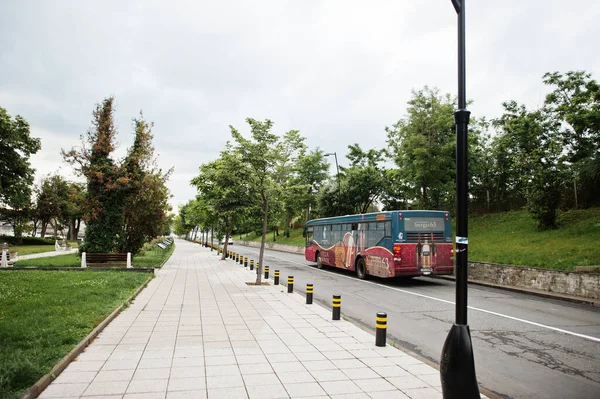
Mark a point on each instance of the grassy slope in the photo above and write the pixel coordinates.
(512, 238)
(43, 315)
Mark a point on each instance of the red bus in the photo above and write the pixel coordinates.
(383, 244)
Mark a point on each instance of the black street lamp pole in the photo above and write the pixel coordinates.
(338, 177)
(457, 366)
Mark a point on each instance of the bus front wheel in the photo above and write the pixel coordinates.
(319, 261)
(361, 268)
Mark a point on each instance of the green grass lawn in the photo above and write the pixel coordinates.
(512, 238)
(152, 257)
(36, 249)
(44, 314)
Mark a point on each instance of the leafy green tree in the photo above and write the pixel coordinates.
(361, 185)
(178, 226)
(266, 156)
(310, 174)
(528, 140)
(422, 146)
(16, 146)
(574, 103)
(52, 202)
(18, 209)
(223, 188)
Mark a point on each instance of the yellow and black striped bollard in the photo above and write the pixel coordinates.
(257, 267)
(337, 307)
(276, 277)
(290, 284)
(309, 294)
(266, 272)
(245, 261)
(251, 264)
(241, 259)
(381, 328)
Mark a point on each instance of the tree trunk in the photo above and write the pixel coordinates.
(425, 199)
(44, 227)
(262, 241)
(225, 245)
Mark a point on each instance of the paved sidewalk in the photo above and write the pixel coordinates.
(198, 331)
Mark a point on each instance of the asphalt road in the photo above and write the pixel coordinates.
(524, 346)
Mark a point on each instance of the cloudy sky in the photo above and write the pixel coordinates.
(338, 71)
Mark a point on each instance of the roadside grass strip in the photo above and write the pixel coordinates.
(44, 315)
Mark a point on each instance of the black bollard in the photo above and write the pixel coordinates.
(266, 272)
(309, 294)
(290, 284)
(245, 261)
(251, 264)
(381, 328)
(337, 307)
(276, 277)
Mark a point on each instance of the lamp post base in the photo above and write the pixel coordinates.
(457, 367)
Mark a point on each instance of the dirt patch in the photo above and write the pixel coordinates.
(254, 283)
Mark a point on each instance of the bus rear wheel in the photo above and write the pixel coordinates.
(319, 261)
(361, 268)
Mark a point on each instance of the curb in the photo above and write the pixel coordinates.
(172, 249)
(83, 269)
(543, 294)
(36, 389)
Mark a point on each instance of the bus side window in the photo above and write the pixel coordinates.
(354, 226)
(388, 229)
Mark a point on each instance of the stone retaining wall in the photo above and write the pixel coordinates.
(586, 285)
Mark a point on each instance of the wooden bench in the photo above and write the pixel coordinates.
(99, 259)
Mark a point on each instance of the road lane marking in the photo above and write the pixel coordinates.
(533, 323)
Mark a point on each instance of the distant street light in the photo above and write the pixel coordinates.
(338, 178)
(457, 366)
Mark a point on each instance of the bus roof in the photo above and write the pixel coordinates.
(371, 217)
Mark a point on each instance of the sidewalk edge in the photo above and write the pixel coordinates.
(36, 389)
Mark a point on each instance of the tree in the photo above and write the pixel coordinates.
(52, 202)
(178, 227)
(106, 182)
(532, 153)
(223, 189)
(574, 103)
(266, 155)
(16, 146)
(18, 209)
(422, 146)
(310, 174)
(146, 195)
(75, 209)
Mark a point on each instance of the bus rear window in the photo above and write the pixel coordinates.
(423, 225)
